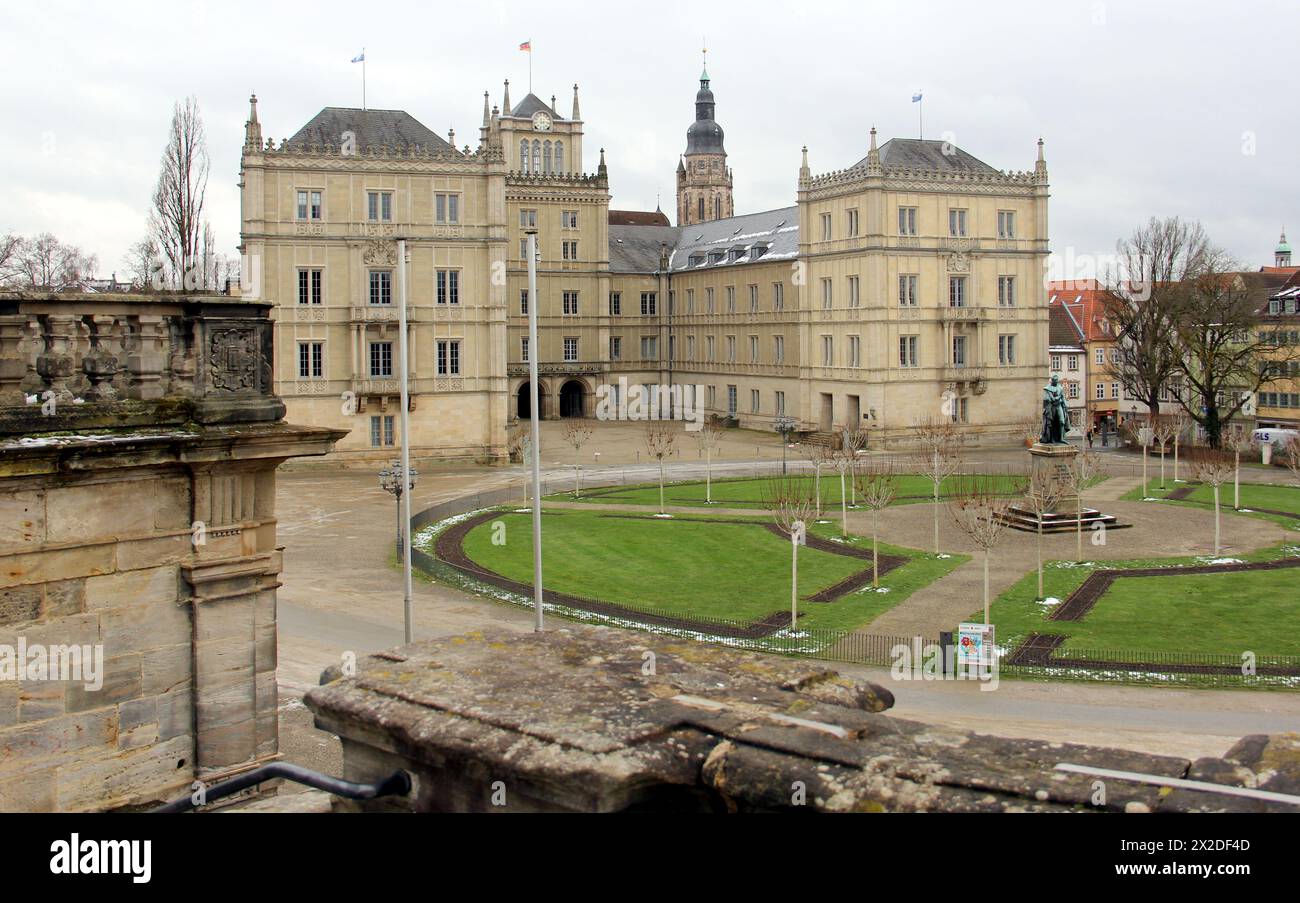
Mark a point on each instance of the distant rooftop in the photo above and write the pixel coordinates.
(380, 128)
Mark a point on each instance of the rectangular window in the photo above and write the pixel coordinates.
(311, 360)
(379, 206)
(381, 287)
(961, 410)
(309, 205)
(827, 229)
(1072, 362)
(570, 348)
(690, 300)
(570, 302)
(1099, 356)
(778, 296)
(753, 349)
(569, 250)
(1056, 362)
(957, 223)
(956, 291)
(523, 302)
(1074, 390)
(381, 431)
(731, 299)
(523, 349)
(731, 349)
(907, 221)
(690, 347)
(828, 351)
(568, 219)
(447, 208)
(855, 351)
(649, 348)
(710, 343)
(448, 282)
(448, 357)
(780, 403)
(309, 286)
(753, 401)
(1006, 291)
(527, 219)
(907, 291)
(1114, 390)
(828, 294)
(1007, 352)
(959, 351)
(852, 223)
(708, 300)
(615, 304)
(907, 351)
(1100, 392)
(615, 348)
(731, 401)
(1006, 224)
(854, 296)
(649, 303)
(778, 349)
(381, 359)
(753, 299)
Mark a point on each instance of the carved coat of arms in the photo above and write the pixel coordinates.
(233, 360)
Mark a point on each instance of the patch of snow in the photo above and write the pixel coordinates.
(1207, 560)
(943, 555)
(662, 515)
(1049, 601)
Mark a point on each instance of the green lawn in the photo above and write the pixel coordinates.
(1222, 613)
(749, 492)
(1253, 497)
(694, 568)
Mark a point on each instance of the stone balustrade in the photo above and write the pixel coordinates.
(83, 361)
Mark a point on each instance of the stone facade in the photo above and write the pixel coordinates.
(905, 286)
(153, 540)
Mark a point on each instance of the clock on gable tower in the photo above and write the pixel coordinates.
(704, 187)
(537, 138)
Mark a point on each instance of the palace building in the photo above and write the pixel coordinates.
(906, 285)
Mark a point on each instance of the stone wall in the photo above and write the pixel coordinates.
(137, 518)
(586, 719)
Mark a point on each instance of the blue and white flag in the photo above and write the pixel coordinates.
(360, 58)
(916, 98)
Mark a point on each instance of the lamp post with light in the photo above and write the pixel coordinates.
(390, 480)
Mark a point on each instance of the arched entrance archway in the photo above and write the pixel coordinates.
(571, 398)
(523, 404)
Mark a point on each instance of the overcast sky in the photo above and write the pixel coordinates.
(1146, 108)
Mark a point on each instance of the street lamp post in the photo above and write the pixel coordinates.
(784, 425)
(390, 480)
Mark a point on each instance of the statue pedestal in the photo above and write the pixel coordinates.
(1052, 463)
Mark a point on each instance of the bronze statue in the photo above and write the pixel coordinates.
(1056, 417)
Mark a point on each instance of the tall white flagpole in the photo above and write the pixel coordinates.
(406, 440)
(535, 415)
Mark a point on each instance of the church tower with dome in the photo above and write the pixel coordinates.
(703, 179)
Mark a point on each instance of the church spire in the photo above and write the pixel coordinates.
(576, 114)
(487, 119)
(505, 104)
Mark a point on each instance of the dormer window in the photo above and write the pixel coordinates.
(735, 254)
(757, 251)
(715, 257)
(696, 259)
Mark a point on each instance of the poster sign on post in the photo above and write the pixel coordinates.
(975, 645)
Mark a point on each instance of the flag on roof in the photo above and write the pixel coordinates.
(527, 45)
(916, 98)
(360, 58)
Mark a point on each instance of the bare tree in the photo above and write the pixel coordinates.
(10, 251)
(709, 437)
(1138, 432)
(143, 264)
(660, 437)
(793, 508)
(877, 483)
(1163, 430)
(1141, 295)
(979, 506)
(1293, 457)
(1030, 428)
(1224, 357)
(176, 220)
(818, 455)
(1085, 468)
(1182, 423)
(1234, 441)
(844, 458)
(578, 432)
(46, 264)
(1213, 467)
(937, 457)
(1044, 494)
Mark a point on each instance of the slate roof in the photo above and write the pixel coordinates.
(778, 230)
(530, 105)
(636, 249)
(917, 153)
(381, 128)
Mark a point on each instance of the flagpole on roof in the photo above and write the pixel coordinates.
(530, 65)
(363, 79)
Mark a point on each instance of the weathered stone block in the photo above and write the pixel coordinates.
(21, 568)
(134, 589)
(167, 668)
(151, 774)
(57, 740)
(175, 714)
(20, 603)
(122, 681)
(145, 626)
(41, 699)
(34, 791)
(22, 519)
(63, 598)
